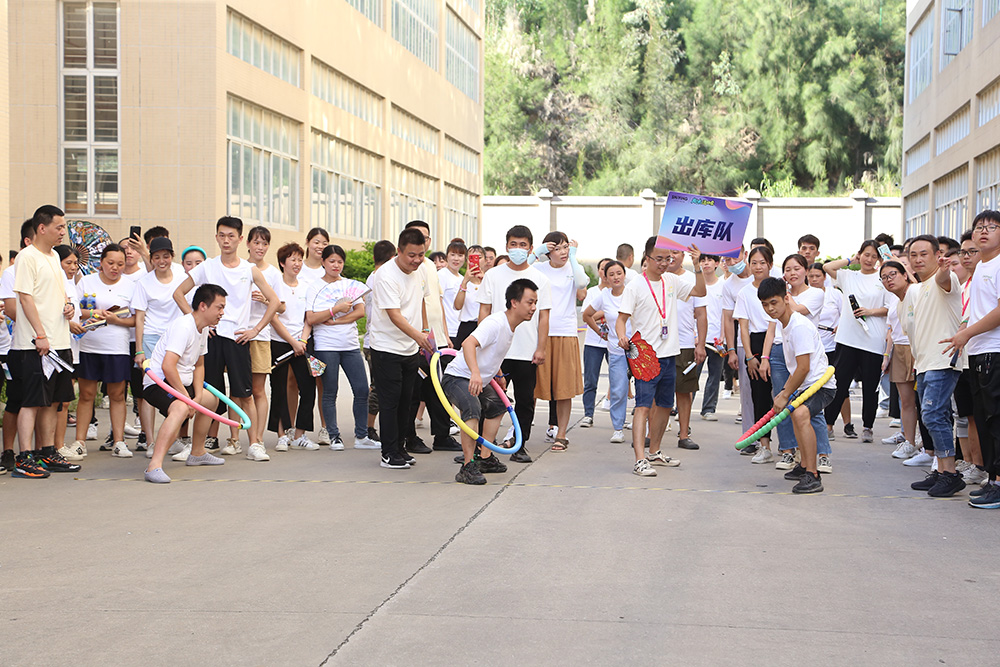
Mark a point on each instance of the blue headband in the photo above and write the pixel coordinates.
(193, 247)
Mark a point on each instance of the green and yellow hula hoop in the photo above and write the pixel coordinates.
(770, 420)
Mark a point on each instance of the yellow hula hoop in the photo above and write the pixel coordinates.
(763, 427)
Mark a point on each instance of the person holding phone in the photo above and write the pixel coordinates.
(450, 279)
(466, 300)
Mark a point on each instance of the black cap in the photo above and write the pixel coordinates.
(160, 243)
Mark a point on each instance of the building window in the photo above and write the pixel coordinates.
(989, 102)
(921, 43)
(346, 189)
(462, 64)
(412, 129)
(413, 197)
(415, 26)
(370, 8)
(951, 203)
(461, 215)
(263, 151)
(89, 146)
(990, 9)
(331, 86)
(918, 155)
(461, 156)
(917, 214)
(956, 28)
(261, 48)
(988, 180)
(953, 130)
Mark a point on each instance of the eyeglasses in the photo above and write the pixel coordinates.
(986, 228)
(968, 253)
(890, 274)
(659, 260)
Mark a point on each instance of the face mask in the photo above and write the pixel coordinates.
(517, 255)
(738, 268)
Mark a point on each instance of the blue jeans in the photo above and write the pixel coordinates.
(934, 390)
(660, 389)
(593, 357)
(710, 399)
(779, 376)
(618, 374)
(354, 367)
(149, 342)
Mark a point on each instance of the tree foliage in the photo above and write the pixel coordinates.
(608, 97)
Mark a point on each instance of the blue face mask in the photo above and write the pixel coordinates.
(737, 269)
(517, 255)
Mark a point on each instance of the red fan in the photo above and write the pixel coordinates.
(642, 359)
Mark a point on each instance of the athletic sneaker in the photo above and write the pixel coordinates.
(491, 464)
(988, 500)
(849, 432)
(453, 429)
(787, 461)
(409, 459)
(149, 451)
(881, 413)
(396, 463)
(808, 483)
(257, 452)
(643, 469)
(183, 454)
(109, 444)
(606, 404)
(211, 442)
(947, 485)
(961, 465)
(205, 459)
(303, 442)
(470, 474)
(54, 462)
(618, 436)
(727, 394)
(895, 423)
(830, 435)
(550, 434)
(131, 431)
(739, 419)
(282, 445)
(688, 443)
(373, 434)
(70, 454)
(232, 448)
(447, 444)
(919, 460)
(823, 464)
(323, 436)
(927, 483)
(763, 455)
(867, 435)
(366, 443)
(905, 450)
(586, 422)
(25, 466)
(178, 445)
(975, 475)
(795, 474)
(79, 447)
(336, 444)
(7, 459)
(894, 439)
(156, 476)
(121, 450)
(520, 456)
(661, 459)
(92, 432)
(140, 443)
(750, 449)
(982, 490)
(710, 417)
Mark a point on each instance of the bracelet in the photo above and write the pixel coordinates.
(301, 340)
(37, 337)
(765, 358)
(462, 289)
(965, 321)
(332, 314)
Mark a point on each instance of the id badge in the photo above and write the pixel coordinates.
(664, 331)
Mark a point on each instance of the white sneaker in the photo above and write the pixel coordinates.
(337, 445)
(975, 475)
(132, 430)
(323, 436)
(550, 434)
(710, 417)
(919, 460)
(149, 451)
(366, 443)
(69, 453)
(961, 466)
(880, 413)
(79, 448)
(934, 465)
(92, 432)
(643, 469)
(895, 423)
(904, 451)
(823, 464)
(232, 448)
(763, 455)
(177, 446)
(586, 422)
(453, 429)
(787, 461)
(606, 404)
(419, 423)
(283, 441)
(121, 450)
(628, 426)
(302, 442)
(105, 403)
(661, 459)
(182, 455)
(258, 453)
(670, 423)
(630, 403)
(727, 394)
(894, 439)
(739, 418)
(510, 434)
(618, 436)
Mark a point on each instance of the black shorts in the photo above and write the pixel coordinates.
(817, 402)
(963, 393)
(226, 357)
(110, 368)
(487, 405)
(160, 399)
(37, 391)
(135, 375)
(13, 404)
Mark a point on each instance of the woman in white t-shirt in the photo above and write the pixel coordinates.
(466, 299)
(335, 338)
(607, 301)
(595, 346)
(860, 335)
(899, 359)
(312, 264)
(104, 352)
(69, 260)
(450, 279)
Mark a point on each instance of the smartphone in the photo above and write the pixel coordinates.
(885, 253)
(474, 261)
(135, 232)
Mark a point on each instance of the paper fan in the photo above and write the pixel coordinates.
(642, 359)
(89, 239)
(316, 367)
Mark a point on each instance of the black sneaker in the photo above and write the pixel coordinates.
(55, 462)
(109, 443)
(808, 483)
(415, 445)
(460, 459)
(491, 464)
(947, 485)
(750, 450)
(395, 462)
(687, 443)
(470, 474)
(409, 459)
(795, 473)
(989, 500)
(373, 434)
(521, 456)
(140, 442)
(7, 459)
(849, 432)
(25, 466)
(448, 444)
(926, 483)
(981, 491)
(211, 443)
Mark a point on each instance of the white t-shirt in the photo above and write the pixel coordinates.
(562, 316)
(492, 291)
(336, 337)
(833, 302)
(432, 300)
(892, 320)
(137, 275)
(610, 304)
(801, 337)
(395, 289)
(748, 307)
(591, 338)
(647, 317)
(369, 304)
(470, 309)
(812, 298)
(687, 326)
(984, 296)
(495, 336)
(731, 290)
(713, 310)
(42, 277)
(110, 338)
(157, 300)
(450, 283)
(7, 292)
(183, 339)
(630, 275)
(257, 309)
(294, 317)
(868, 290)
(928, 315)
(238, 283)
(308, 275)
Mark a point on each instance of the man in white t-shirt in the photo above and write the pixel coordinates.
(179, 360)
(626, 255)
(528, 348)
(692, 329)
(398, 332)
(714, 341)
(383, 251)
(467, 378)
(650, 303)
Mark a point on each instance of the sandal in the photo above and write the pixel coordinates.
(560, 445)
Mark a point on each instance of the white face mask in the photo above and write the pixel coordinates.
(738, 268)
(518, 255)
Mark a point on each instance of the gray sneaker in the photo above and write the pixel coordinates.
(205, 459)
(157, 476)
(867, 435)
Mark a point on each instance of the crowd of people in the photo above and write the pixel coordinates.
(915, 325)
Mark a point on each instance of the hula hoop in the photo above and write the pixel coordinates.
(480, 440)
(184, 398)
(770, 420)
(244, 418)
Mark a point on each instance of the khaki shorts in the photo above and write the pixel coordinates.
(686, 384)
(260, 356)
(561, 376)
(901, 365)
